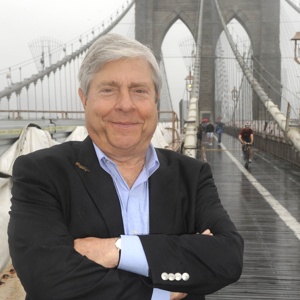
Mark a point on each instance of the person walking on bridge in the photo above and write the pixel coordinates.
(112, 217)
(210, 129)
(219, 131)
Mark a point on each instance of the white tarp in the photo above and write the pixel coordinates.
(31, 139)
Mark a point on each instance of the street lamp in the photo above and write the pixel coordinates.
(189, 82)
(296, 38)
(234, 95)
(189, 86)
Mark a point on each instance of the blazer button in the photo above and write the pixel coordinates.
(164, 276)
(171, 276)
(185, 276)
(178, 276)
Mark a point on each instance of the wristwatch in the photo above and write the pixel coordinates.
(118, 244)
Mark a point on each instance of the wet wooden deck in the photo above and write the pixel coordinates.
(264, 203)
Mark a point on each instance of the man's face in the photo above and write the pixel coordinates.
(120, 108)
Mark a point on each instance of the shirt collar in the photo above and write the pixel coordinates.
(151, 162)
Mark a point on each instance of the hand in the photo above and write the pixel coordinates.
(207, 232)
(177, 296)
(101, 251)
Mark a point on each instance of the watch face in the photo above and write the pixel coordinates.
(118, 243)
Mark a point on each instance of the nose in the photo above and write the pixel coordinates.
(125, 101)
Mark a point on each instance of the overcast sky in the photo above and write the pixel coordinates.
(22, 21)
(25, 20)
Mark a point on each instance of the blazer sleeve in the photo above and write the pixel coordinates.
(209, 262)
(42, 246)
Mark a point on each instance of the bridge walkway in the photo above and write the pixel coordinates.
(264, 203)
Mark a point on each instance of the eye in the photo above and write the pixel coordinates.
(140, 91)
(106, 90)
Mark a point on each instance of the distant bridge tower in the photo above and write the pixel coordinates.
(260, 19)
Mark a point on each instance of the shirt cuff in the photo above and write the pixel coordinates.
(133, 258)
(160, 295)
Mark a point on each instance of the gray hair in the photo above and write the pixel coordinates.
(110, 47)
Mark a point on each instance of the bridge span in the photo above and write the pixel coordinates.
(263, 201)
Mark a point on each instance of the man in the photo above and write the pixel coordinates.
(111, 217)
(246, 136)
(199, 135)
(210, 128)
(219, 131)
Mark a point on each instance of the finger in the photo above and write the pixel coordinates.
(207, 232)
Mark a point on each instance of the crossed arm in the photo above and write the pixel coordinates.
(50, 265)
(105, 253)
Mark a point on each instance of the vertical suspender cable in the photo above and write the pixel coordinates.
(292, 133)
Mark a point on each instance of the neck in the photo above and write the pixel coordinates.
(130, 170)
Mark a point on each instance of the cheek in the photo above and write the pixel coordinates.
(151, 114)
(97, 108)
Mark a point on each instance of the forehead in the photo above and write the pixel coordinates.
(130, 65)
(125, 70)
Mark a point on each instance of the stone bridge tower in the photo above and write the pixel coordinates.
(260, 19)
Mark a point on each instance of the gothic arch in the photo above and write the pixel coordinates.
(260, 19)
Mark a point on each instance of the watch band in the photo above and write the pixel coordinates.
(118, 244)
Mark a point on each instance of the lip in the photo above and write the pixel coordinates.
(125, 124)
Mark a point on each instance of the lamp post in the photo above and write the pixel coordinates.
(189, 86)
(234, 95)
(189, 83)
(296, 38)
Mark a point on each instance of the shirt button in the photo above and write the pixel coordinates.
(164, 276)
(185, 276)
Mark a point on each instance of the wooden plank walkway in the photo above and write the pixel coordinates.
(272, 248)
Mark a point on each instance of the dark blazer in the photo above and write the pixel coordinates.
(61, 193)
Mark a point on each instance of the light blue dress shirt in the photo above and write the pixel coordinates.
(135, 213)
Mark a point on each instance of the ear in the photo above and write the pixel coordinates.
(157, 98)
(82, 97)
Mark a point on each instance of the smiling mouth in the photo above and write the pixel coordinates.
(125, 125)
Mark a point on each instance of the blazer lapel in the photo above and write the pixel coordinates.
(163, 188)
(99, 185)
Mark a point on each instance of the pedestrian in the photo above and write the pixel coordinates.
(112, 217)
(199, 135)
(219, 131)
(210, 129)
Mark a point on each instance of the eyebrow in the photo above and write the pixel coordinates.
(111, 83)
(117, 84)
(138, 84)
